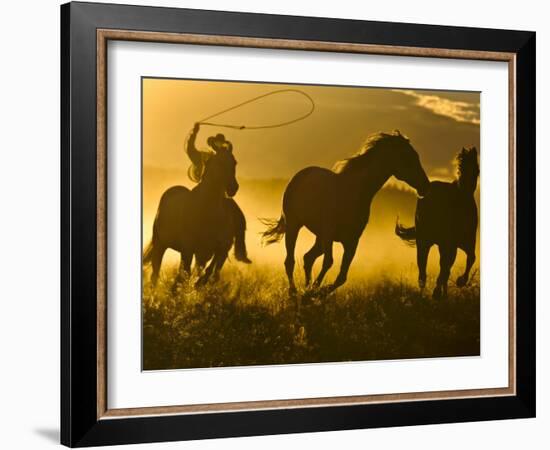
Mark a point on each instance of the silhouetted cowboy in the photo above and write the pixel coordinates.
(196, 170)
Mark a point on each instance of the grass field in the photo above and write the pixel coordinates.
(247, 318)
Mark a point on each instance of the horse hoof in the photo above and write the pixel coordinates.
(440, 293)
(292, 291)
(201, 282)
(326, 290)
(307, 299)
(421, 284)
(310, 295)
(461, 281)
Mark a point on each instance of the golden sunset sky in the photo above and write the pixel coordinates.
(438, 123)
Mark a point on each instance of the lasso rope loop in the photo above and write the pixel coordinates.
(243, 127)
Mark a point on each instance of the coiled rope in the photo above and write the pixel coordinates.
(244, 127)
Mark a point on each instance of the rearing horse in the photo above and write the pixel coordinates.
(335, 204)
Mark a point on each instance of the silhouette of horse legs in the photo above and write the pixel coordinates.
(291, 235)
(327, 262)
(310, 257)
(447, 256)
(422, 251)
(156, 261)
(203, 279)
(219, 259)
(349, 253)
(184, 269)
(470, 260)
(213, 269)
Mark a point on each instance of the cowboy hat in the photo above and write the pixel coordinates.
(219, 138)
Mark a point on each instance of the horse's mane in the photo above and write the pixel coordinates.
(372, 143)
(467, 167)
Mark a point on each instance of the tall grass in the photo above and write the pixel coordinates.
(247, 318)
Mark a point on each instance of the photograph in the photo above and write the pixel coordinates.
(299, 224)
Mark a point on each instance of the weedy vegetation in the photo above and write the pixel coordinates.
(247, 318)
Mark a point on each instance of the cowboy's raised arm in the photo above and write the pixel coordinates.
(192, 152)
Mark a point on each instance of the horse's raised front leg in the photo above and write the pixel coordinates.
(310, 257)
(291, 234)
(422, 252)
(470, 260)
(327, 262)
(349, 253)
(447, 255)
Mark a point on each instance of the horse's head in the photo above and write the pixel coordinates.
(406, 164)
(468, 169)
(221, 167)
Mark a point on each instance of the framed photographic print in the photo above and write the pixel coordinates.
(276, 224)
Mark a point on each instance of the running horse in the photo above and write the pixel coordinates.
(447, 217)
(197, 222)
(335, 204)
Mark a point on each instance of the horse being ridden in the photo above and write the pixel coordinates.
(335, 204)
(447, 216)
(199, 222)
(196, 171)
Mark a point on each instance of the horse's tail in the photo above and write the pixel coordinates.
(407, 234)
(275, 230)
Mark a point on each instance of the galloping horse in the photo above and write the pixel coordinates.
(197, 222)
(335, 204)
(446, 216)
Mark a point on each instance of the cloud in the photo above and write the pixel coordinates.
(441, 173)
(399, 185)
(459, 111)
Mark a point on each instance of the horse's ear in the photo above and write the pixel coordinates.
(398, 133)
